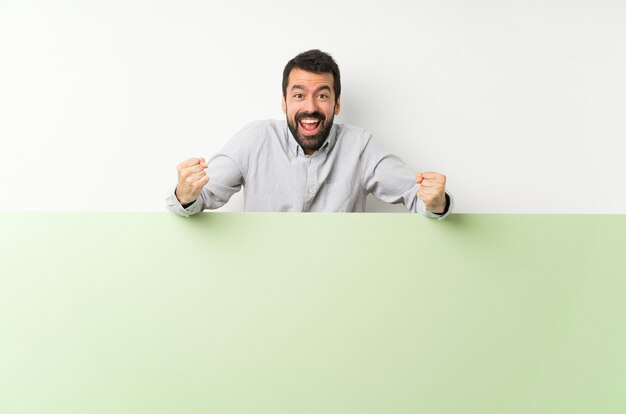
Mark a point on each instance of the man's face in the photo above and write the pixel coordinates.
(310, 107)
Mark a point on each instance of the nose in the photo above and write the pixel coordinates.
(310, 105)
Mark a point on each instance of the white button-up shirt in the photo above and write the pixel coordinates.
(265, 159)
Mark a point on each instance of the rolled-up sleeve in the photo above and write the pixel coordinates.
(225, 179)
(389, 179)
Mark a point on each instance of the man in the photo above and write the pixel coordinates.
(307, 163)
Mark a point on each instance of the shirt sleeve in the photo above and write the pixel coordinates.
(388, 178)
(225, 179)
(449, 204)
(226, 171)
(173, 205)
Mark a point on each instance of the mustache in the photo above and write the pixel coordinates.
(314, 115)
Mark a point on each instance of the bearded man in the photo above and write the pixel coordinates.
(307, 162)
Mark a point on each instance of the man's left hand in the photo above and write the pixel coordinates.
(432, 191)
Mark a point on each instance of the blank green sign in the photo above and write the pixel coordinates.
(312, 313)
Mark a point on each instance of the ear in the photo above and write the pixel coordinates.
(337, 106)
(284, 105)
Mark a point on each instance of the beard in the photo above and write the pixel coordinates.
(311, 142)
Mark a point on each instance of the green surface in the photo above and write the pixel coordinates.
(312, 313)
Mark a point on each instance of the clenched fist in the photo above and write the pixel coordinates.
(432, 191)
(191, 179)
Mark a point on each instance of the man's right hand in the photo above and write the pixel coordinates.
(191, 179)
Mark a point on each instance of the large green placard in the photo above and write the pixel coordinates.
(312, 313)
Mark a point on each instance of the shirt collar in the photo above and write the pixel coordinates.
(296, 149)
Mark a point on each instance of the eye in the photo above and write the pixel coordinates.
(323, 96)
(297, 95)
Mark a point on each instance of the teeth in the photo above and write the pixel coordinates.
(310, 121)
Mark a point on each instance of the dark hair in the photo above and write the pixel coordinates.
(314, 61)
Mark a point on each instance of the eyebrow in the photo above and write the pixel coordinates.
(321, 88)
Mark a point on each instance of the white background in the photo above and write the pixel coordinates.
(522, 104)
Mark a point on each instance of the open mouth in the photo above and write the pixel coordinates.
(310, 126)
